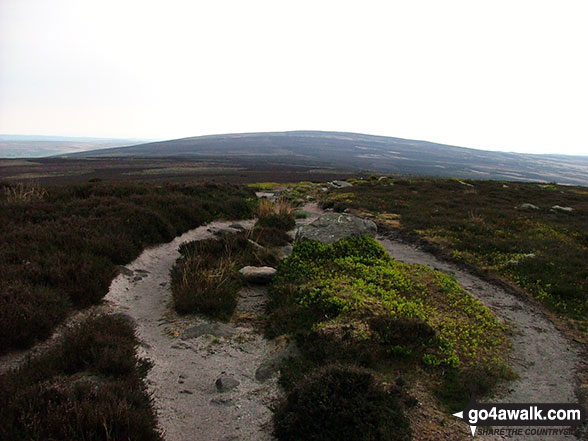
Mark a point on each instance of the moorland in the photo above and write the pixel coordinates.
(368, 328)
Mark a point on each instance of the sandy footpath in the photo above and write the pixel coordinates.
(544, 359)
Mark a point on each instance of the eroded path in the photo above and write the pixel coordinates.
(191, 353)
(544, 359)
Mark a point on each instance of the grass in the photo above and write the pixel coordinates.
(482, 224)
(205, 278)
(61, 245)
(277, 215)
(351, 303)
(89, 386)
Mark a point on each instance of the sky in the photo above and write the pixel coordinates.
(498, 75)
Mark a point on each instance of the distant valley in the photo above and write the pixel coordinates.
(31, 146)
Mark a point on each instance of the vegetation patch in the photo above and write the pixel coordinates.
(61, 245)
(205, 278)
(350, 302)
(89, 386)
(342, 403)
(504, 229)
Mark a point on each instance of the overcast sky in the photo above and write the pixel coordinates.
(499, 75)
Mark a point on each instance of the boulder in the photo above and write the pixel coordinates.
(527, 206)
(340, 184)
(225, 383)
(557, 208)
(331, 227)
(257, 274)
(271, 365)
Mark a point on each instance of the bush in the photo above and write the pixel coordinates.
(270, 237)
(277, 221)
(205, 278)
(28, 312)
(484, 227)
(341, 403)
(61, 245)
(279, 215)
(89, 386)
(210, 291)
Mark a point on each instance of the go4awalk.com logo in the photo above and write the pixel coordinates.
(556, 415)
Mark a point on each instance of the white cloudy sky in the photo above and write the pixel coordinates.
(501, 75)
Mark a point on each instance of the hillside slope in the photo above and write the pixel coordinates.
(363, 152)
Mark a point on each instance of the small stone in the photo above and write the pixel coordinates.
(340, 184)
(257, 274)
(125, 271)
(237, 227)
(527, 206)
(186, 391)
(558, 208)
(225, 383)
(222, 401)
(272, 365)
(137, 278)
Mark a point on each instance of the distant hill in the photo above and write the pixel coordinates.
(38, 146)
(363, 152)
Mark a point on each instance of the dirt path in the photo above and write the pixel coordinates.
(191, 353)
(544, 359)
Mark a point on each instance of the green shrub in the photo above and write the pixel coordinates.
(484, 227)
(341, 403)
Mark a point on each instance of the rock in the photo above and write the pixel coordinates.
(557, 208)
(340, 184)
(237, 227)
(331, 227)
(526, 256)
(222, 401)
(257, 274)
(225, 383)
(284, 251)
(125, 271)
(272, 365)
(266, 195)
(527, 206)
(214, 329)
(137, 278)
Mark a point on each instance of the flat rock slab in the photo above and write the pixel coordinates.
(257, 274)
(331, 227)
(214, 329)
(340, 184)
